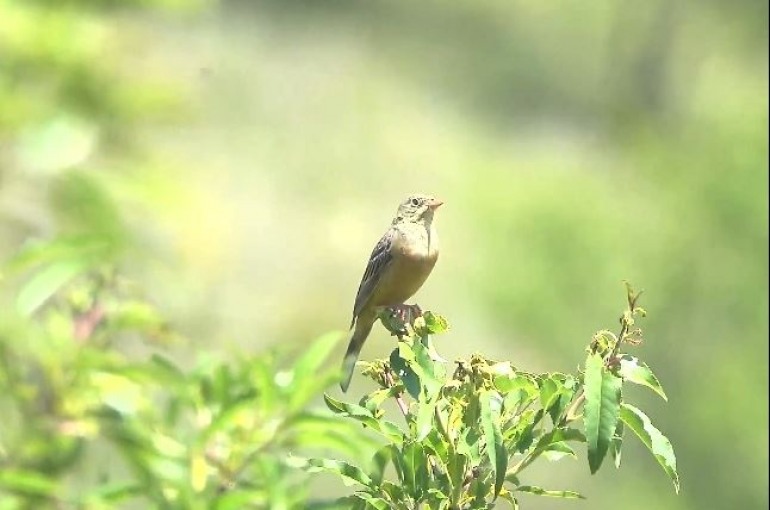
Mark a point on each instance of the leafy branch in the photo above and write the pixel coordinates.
(471, 435)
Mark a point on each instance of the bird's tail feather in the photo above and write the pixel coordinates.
(357, 339)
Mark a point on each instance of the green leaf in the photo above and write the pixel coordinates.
(558, 450)
(404, 371)
(456, 467)
(374, 400)
(387, 428)
(436, 444)
(549, 392)
(329, 433)
(135, 315)
(46, 283)
(26, 482)
(380, 461)
(424, 423)
(434, 323)
(490, 424)
(509, 497)
(415, 467)
(617, 442)
(560, 436)
(240, 498)
(349, 473)
(653, 439)
(394, 492)
(372, 501)
(519, 389)
(306, 380)
(430, 372)
(531, 489)
(600, 414)
(115, 493)
(315, 355)
(636, 371)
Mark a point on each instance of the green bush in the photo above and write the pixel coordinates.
(232, 433)
(471, 435)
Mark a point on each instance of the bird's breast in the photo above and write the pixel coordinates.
(416, 252)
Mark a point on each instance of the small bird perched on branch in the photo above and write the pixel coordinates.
(398, 266)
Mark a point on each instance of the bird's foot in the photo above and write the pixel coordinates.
(396, 318)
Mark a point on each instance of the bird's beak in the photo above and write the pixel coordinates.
(435, 203)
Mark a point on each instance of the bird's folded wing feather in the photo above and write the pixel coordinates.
(379, 260)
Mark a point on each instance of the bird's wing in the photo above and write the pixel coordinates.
(379, 260)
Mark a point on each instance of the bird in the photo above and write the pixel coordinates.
(399, 264)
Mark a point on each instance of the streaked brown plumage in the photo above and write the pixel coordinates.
(398, 266)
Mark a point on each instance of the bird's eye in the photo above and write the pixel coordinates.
(415, 201)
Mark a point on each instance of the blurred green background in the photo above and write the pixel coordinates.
(251, 152)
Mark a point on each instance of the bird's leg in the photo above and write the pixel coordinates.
(394, 320)
(396, 317)
(415, 310)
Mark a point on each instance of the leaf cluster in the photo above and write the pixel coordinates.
(84, 378)
(474, 427)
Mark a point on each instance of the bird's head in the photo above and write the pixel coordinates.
(418, 208)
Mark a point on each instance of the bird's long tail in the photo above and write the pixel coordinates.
(357, 339)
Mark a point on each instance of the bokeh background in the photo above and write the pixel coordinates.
(251, 153)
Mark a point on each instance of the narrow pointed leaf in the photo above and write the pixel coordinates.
(490, 424)
(636, 371)
(617, 443)
(349, 473)
(531, 489)
(46, 283)
(600, 415)
(653, 439)
(399, 363)
(415, 469)
(361, 414)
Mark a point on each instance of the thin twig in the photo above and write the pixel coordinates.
(399, 396)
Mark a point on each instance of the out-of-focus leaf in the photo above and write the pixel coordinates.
(46, 283)
(119, 392)
(166, 369)
(602, 405)
(135, 316)
(241, 414)
(653, 439)
(115, 493)
(490, 424)
(331, 433)
(307, 380)
(634, 370)
(26, 482)
(199, 471)
(239, 498)
(39, 252)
